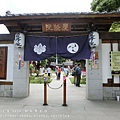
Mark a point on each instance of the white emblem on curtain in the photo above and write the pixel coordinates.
(72, 47)
(39, 49)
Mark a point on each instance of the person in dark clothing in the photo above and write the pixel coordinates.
(78, 75)
(37, 68)
(59, 73)
(74, 73)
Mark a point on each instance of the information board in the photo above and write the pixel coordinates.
(115, 62)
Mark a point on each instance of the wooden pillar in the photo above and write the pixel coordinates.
(45, 93)
(64, 92)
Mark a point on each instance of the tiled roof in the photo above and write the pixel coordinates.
(59, 14)
(82, 22)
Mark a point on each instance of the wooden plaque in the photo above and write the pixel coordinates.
(56, 27)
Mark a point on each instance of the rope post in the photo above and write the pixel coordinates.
(45, 92)
(64, 92)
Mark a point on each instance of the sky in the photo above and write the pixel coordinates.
(42, 6)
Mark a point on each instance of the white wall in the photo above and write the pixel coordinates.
(20, 76)
(9, 61)
(106, 69)
(94, 84)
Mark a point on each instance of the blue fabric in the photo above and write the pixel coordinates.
(41, 48)
(78, 70)
(74, 48)
(45, 48)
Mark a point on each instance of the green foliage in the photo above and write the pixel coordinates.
(38, 80)
(61, 59)
(105, 5)
(82, 81)
(31, 66)
(53, 59)
(44, 62)
(115, 27)
(94, 5)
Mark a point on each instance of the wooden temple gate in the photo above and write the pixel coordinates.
(54, 24)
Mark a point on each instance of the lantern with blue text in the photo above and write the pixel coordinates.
(19, 40)
(93, 39)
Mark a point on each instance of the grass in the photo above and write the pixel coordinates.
(39, 80)
(82, 81)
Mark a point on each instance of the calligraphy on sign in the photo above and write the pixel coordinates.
(19, 40)
(56, 27)
(115, 62)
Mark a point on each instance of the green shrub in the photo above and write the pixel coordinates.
(82, 81)
(39, 80)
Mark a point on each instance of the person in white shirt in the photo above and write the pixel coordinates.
(42, 70)
(49, 71)
(56, 70)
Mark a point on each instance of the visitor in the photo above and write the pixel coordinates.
(56, 70)
(31, 67)
(66, 71)
(49, 71)
(37, 67)
(78, 75)
(74, 73)
(59, 73)
(42, 70)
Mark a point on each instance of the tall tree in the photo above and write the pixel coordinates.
(105, 5)
(53, 59)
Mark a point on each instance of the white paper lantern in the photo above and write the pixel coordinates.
(93, 39)
(19, 40)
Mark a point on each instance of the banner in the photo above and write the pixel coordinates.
(74, 48)
(40, 48)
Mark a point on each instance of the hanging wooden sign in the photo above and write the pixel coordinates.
(115, 62)
(56, 27)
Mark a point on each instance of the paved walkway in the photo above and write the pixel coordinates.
(78, 107)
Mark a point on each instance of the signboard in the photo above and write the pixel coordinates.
(56, 27)
(94, 62)
(115, 62)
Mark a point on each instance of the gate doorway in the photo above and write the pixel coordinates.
(55, 91)
(55, 86)
(40, 48)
